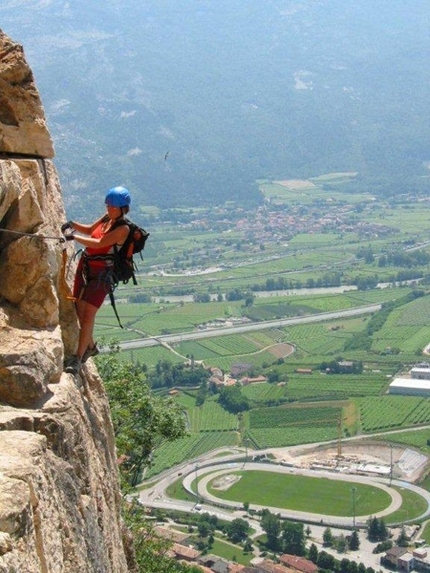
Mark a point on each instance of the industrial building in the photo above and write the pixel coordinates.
(410, 387)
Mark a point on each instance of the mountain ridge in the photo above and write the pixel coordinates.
(234, 93)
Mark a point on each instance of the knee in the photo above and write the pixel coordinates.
(88, 314)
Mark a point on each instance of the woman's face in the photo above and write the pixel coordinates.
(113, 212)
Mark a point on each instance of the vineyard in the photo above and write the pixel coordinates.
(291, 416)
(291, 425)
(335, 386)
(418, 439)
(325, 338)
(262, 438)
(211, 417)
(386, 412)
(171, 454)
(229, 345)
(264, 392)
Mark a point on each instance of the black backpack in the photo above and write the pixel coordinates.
(124, 265)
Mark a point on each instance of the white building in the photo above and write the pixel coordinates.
(420, 373)
(410, 387)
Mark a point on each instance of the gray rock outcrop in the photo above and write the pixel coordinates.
(59, 490)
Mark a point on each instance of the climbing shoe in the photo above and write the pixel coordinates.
(89, 352)
(73, 365)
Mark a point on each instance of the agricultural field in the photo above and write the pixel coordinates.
(406, 329)
(264, 392)
(290, 425)
(387, 412)
(417, 438)
(211, 417)
(285, 416)
(172, 454)
(262, 438)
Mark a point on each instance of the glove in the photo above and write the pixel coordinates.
(66, 226)
(69, 237)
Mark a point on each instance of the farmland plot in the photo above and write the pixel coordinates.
(291, 436)
(404, 338)
(151, 355)
(293, 416)
(264, 392)
(211, 417)
(387, 412)
(335, 386)
(416, 313)
(418, 438)
(171, 454)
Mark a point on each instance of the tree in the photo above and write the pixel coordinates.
(402, 540)
(327, 537)
(293, 537)
(271, 525)
(238, 530)
(343, 566)
(354, 541)
(376, 529)
(326, 561)
(232, 399)
(313, 553)
(352, 567)
(341, 543)
(141, 421)
(203, 528)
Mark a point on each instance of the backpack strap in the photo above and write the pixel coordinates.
(112, 301)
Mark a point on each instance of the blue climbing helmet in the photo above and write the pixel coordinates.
(118, 197)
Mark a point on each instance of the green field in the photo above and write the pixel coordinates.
(301, 493)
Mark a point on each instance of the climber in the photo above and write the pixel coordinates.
(93, 278)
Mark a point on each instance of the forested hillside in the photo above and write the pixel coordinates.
(191, 102)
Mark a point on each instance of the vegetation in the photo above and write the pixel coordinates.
(142, 421)
(316, 495)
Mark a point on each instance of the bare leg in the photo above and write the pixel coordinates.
(86, 316)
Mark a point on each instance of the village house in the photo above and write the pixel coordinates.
(298, 563)
(183, 553)
(245, 381)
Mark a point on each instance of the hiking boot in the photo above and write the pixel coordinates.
(90, 352)
(73, 365)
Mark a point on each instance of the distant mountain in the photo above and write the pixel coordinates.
(189, 103)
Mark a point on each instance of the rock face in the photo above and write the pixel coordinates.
(59, 490)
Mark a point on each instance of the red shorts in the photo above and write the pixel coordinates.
(93, 282)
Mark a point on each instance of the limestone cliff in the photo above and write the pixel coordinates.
(59, 492)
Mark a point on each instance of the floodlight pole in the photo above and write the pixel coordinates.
(391, 463)
(197, 483)
(353, 490)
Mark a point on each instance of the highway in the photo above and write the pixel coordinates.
(238, 329)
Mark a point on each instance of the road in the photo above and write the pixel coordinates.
(280, 323)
